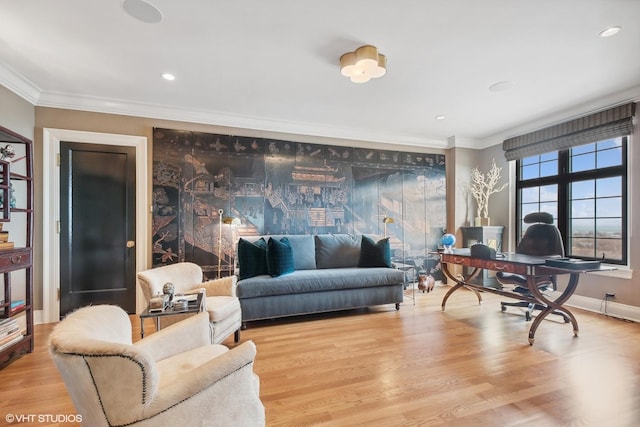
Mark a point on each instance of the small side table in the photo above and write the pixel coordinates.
(194, 306)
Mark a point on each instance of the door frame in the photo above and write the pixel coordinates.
(51, 209)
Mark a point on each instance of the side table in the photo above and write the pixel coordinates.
(194, 306)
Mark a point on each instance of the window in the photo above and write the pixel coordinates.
(585, 189)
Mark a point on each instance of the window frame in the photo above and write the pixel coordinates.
(563, 179)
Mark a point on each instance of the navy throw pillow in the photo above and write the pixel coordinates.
(279, 257)
(375, 254)
(252, 258)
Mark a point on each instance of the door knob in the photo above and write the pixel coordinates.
(131, 243)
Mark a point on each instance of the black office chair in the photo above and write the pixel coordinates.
(542, 238)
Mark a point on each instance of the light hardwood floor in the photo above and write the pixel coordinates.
(468, 366)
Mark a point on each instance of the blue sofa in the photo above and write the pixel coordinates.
(327, 276)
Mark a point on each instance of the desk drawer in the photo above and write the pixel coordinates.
(506, 267)
(488, 264)
(15, 260)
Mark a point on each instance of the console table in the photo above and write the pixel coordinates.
(526, 265)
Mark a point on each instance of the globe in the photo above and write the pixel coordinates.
(448, 240)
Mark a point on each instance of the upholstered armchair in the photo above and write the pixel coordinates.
(173, 377)
(221, 303)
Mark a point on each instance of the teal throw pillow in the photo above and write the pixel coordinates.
(252, 258)
(375, 254)
(279, 257)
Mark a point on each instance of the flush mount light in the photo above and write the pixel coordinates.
(169, 76)
(611, 31)
(142, 11)
(439, 117)
(364, 64)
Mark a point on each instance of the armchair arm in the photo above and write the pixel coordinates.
(225, 286)
(187, 334)
(237, 360)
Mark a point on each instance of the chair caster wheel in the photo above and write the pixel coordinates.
(503, 308)
(527, 316)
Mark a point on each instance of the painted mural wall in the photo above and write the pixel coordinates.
(287, 187)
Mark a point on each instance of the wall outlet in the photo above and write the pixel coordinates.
(609, 295)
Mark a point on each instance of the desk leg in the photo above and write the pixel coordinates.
(460, 283)
(553, 305)
(157, 323)
(141, 327)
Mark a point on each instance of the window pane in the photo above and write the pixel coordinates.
(583, 162)
(582, 247)
(529, 208)
(529, 195)
(609, 228)
(606, 187)
(549, 193)
(530, 172)
(583, 189)
(609, 158)
(609, 249)
(582, 149)
(583, 208)
(609, 239)
(609, 143)
(549, 156)
(551, 208)
(549, 168)
(530, 160)
(583, 227)
(610, 207)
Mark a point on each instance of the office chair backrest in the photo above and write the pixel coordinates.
(542, 238)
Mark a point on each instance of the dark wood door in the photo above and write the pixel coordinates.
(97, 226)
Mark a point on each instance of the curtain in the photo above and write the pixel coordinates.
(611, 123)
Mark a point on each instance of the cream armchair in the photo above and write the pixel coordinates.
(221, 303)
(173, 377)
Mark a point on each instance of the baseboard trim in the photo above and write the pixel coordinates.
(609, 308)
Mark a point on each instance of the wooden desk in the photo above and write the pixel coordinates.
(525, 265)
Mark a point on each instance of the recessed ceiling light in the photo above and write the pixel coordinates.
(439, 117)
(142, 11)
(611, 31)
(169, 76)
(501, 86)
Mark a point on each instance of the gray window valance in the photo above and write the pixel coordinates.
(611, 123)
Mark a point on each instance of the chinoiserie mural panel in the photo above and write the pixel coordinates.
(288, 187)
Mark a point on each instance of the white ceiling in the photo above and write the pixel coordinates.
(273, 65)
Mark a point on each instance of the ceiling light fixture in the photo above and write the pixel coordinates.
(142, 11)
(364, 64)
(608, 32)
(168, 76)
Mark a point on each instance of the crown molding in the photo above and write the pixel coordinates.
(19, 85)
(155, 111)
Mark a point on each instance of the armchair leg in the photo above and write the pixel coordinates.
(236, 336)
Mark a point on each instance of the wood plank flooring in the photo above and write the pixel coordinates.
(468, 366)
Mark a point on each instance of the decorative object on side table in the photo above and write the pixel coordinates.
(482, 187)
(448, 240)
(168, 289)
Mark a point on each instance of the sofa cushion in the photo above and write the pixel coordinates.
(303, 247)
(337, 250)
(280, 259)
(375, 254)
(328, 279)
(252, 258)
